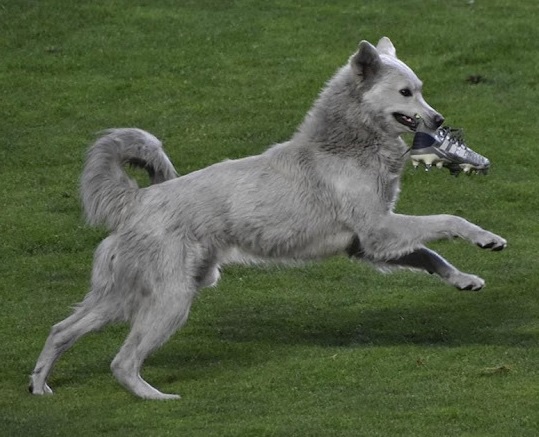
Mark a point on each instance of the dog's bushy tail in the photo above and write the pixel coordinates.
(106, 189)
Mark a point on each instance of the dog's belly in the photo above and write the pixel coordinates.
(319, 247)
(327, 245)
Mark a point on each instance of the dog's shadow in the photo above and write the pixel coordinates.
(245, 329)
(248, 332)
(340, 312)
(432, 324)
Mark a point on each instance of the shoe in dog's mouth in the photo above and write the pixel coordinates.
(409, 122)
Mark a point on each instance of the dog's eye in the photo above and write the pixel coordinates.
(406, 92)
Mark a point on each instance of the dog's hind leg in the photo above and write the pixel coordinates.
(62, 336)
(95, 311)
(157, 319)
(432, 262)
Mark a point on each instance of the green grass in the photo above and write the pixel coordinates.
(328, 349)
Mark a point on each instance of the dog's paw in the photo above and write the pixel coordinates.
(45, 390)
(466, 281)
(162, 396)
(488, 240)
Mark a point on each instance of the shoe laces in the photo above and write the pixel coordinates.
(455, 136)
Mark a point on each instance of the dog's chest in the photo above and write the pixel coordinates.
(389, 179)
(389, 188)
(390, 166)
(377, 185)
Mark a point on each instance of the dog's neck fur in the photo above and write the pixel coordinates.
(337, 124)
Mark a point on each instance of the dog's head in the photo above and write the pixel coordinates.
(391, 90)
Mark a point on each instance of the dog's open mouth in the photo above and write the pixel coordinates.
(409, 122)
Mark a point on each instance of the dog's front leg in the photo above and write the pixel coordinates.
(398, 234)
(426, 260)
(430, 261)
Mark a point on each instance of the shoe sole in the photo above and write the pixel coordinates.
(431, 159)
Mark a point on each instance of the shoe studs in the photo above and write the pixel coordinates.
(454, 169)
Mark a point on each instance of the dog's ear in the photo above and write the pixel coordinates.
(386, 47)
(366, 62)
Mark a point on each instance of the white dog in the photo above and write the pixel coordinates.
(330, 189)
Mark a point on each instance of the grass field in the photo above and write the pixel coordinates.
(328, 349)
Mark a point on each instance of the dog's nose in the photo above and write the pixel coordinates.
(438, 120)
